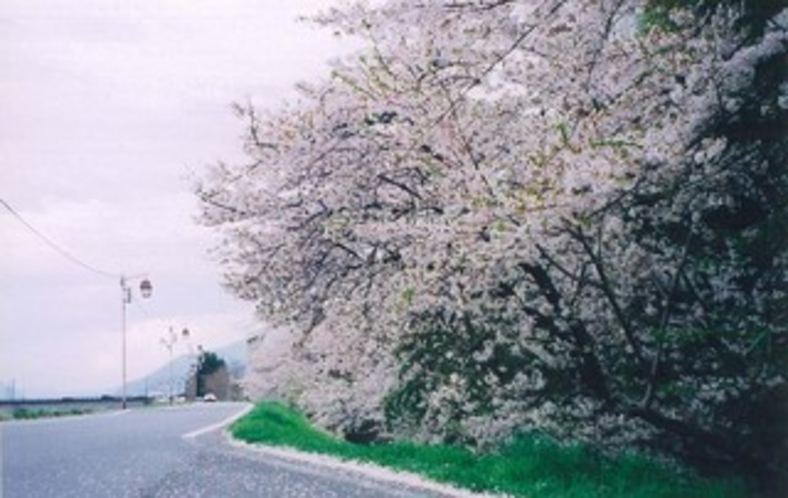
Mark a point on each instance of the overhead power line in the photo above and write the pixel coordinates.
(57, 248)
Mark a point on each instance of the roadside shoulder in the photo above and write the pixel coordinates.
(369, 470)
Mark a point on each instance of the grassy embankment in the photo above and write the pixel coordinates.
(528, 466)
(35, 413)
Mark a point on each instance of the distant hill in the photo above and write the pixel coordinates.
(157, 382)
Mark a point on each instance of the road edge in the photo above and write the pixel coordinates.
(368, 470)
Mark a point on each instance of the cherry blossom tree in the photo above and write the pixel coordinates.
(565, 215)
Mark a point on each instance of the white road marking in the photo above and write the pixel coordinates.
(210, 428)
(372, 471)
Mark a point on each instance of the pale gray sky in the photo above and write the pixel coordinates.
(105, 107)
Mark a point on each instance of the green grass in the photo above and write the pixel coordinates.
(528, 466)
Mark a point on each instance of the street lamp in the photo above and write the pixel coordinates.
(168, 343)
(146, 289)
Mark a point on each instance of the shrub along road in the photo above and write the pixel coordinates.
(163, 452)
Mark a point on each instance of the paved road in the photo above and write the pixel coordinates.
(143, 453)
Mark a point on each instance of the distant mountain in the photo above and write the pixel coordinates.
(156, 383)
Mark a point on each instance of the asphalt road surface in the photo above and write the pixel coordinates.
(163, 452)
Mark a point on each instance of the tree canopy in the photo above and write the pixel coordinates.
(209, 362)
(564, 215)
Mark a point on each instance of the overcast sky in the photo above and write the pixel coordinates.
(105, 108)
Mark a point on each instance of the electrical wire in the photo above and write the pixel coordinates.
(57, 248)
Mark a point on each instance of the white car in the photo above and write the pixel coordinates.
(209, 398)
